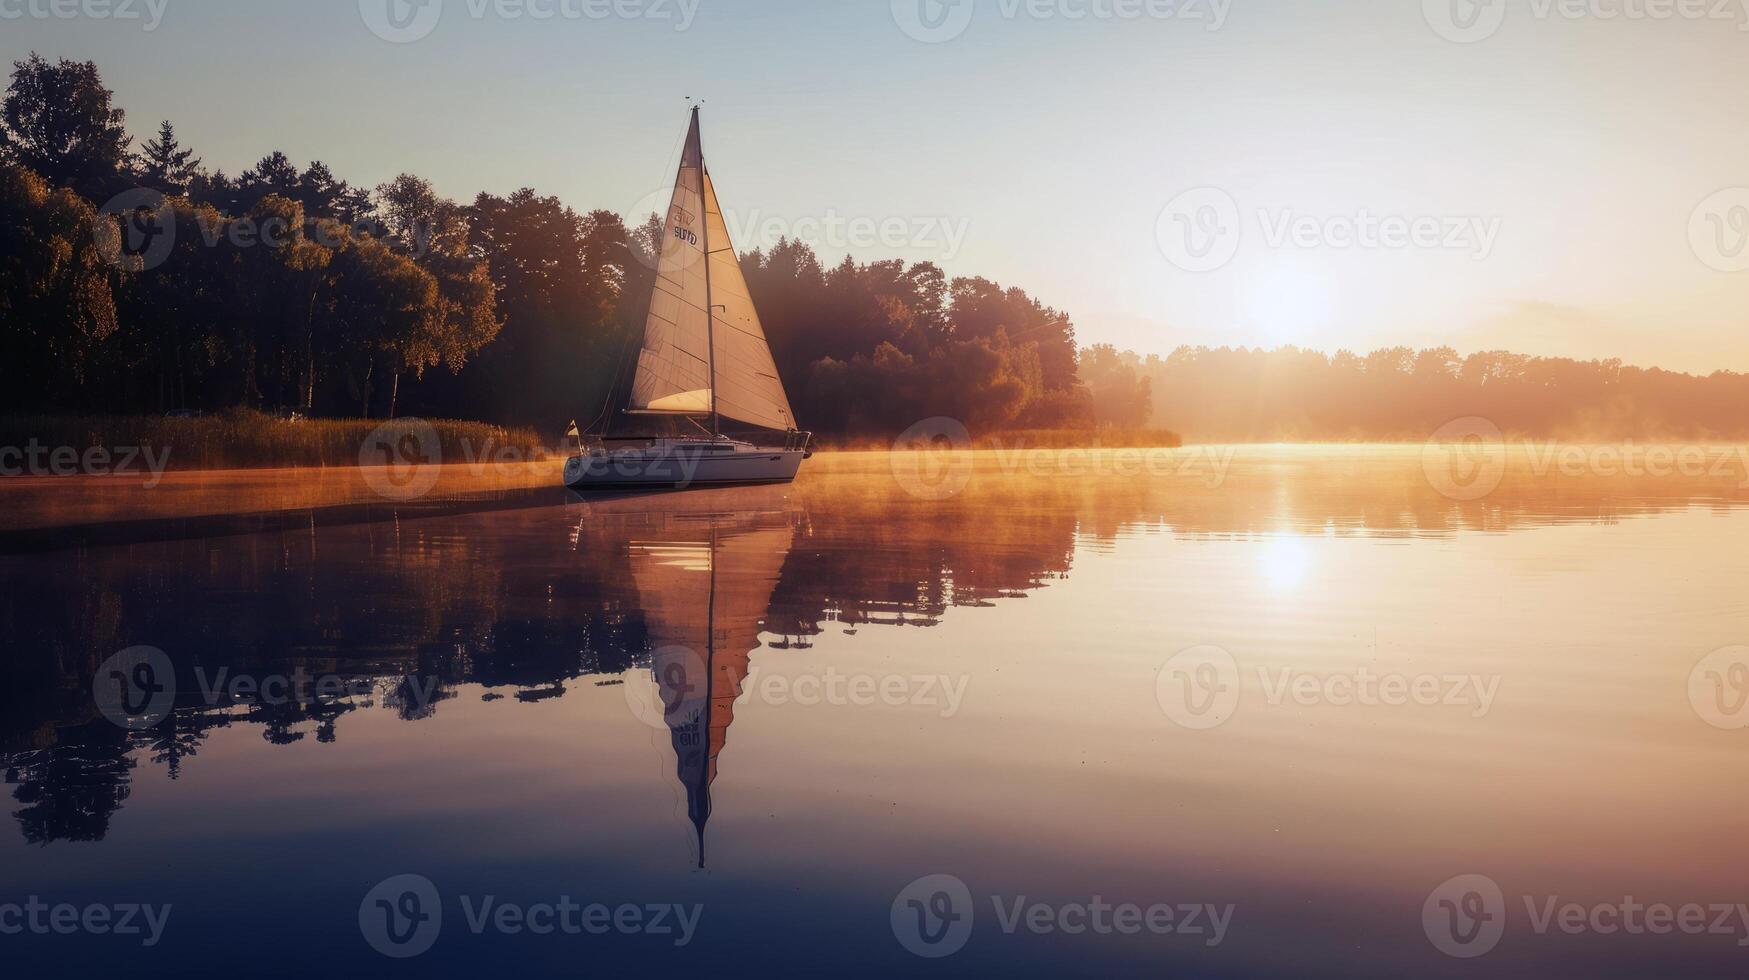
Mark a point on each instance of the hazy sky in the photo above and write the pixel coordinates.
(1531, 174)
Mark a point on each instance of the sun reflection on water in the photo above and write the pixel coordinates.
(1286, 562)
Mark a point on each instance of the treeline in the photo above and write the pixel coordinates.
(1399, 393)
(135, 280)
(139, 281)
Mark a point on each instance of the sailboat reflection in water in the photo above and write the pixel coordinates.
(704, 357)
(705, 582)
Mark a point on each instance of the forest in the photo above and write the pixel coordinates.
(134, 280)
(1402, 394)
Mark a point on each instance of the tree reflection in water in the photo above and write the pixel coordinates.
(528, 602)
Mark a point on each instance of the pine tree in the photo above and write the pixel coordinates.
(321, 192)
(274, 174)
(165, 165)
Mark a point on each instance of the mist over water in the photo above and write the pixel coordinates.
(976, 665)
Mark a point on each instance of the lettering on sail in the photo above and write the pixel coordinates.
(681, 229)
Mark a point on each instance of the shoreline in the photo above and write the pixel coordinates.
(34, 510)
(46, 503)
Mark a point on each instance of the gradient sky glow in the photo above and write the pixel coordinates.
(1054, 144)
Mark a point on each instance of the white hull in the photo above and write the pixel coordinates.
(682, 467)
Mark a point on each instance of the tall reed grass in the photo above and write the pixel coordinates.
(248, 440)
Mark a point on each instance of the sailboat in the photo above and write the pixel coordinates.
(704, 357)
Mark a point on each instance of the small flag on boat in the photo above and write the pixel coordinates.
(572, 433)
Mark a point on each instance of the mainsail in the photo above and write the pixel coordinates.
(704, 350)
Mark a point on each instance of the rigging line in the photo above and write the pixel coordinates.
(613, 388)
(675, 153)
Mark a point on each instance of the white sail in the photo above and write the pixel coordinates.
(675, 366)
(747, 385)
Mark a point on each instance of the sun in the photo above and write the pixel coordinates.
(1288, 304)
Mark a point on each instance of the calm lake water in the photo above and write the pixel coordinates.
(1212, 713)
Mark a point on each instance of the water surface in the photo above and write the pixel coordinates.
(786, 706)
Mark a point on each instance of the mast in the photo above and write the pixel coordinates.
(710, 309)
(710, 677)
